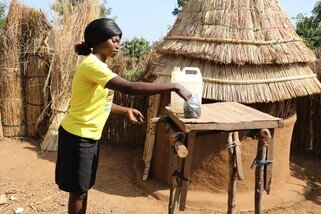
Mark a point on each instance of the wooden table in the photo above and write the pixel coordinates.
(227, 117)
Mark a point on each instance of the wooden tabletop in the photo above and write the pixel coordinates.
(226, 116)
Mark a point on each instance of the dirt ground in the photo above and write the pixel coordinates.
(28, 175)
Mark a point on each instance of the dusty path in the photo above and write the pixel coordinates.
(28, 175)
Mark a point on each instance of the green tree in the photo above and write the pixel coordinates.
(180, 5)
(136, 48)
(309, 28)
(58, 6)
(136, 52)
(3, 10)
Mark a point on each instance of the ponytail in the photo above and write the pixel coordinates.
(82, 49)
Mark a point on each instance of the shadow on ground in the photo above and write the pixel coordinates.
(115, 172)
(307, 167)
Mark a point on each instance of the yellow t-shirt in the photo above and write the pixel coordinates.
(90, 102)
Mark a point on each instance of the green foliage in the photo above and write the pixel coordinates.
(134, 74)
(3, 10)
(58, 6)
(309, 29)
(136, 49)
(180, 5)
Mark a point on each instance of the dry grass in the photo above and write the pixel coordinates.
(247, 83)
(68, 31)
(11, 94)
(235, 32)
(35, 61)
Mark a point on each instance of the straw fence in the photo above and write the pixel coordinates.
(35, 59)
(118, 128)
(11, 94)
(68, 31)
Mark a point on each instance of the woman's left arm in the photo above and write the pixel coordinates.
(133, 114)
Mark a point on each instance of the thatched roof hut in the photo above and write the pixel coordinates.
(247, 51)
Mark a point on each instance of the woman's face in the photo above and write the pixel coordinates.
(110, 47)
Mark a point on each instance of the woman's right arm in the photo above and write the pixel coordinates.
(144, 88)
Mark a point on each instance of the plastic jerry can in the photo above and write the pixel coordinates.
(191, 79)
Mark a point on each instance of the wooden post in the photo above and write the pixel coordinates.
(268, 167)
(154, 102)
(187, 168)
(173, 184)
(176, 139)
(176, 184)
(1, 130)
(264, 136)
(232, 176)
(238, 156)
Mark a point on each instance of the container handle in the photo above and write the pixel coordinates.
(198, 71)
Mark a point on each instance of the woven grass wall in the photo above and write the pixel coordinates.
(35, 61)
(11, 93)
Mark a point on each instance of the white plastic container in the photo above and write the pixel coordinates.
(191, 79)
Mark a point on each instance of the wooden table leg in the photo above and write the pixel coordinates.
(232, 176)
(173, 181)
(187, 168)
(268, 167)
(238, 156)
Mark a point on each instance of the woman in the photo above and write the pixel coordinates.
(90, 105)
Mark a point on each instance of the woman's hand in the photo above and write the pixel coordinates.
(135, 116)
(183, 92)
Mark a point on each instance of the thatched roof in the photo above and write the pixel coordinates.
(247, 51)
(238, 32)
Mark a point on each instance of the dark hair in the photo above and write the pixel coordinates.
(97, 32)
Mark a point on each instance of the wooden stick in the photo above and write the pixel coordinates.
(268, 167)
(238, 155)
(173, 184)
(232, 177)
(264, 135)
(154, 103)
(176, 139)
(179, 181)
(181, 150)
(187, 168)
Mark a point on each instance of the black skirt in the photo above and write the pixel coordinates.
(77, 162)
